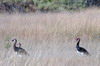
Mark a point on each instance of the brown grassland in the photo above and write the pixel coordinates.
(49, 38)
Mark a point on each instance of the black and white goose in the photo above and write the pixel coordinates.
(81, 50)
(20, 51)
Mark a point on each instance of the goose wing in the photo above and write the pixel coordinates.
(81, 49)
(22, 51)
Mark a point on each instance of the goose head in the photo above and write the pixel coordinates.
(78, 39)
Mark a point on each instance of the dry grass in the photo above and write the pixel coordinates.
(50, 38)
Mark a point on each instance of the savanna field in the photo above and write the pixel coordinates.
(50, 38)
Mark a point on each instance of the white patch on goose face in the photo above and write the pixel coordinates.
(17, 45)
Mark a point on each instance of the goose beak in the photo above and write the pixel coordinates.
(77, 39)
(13, 40)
